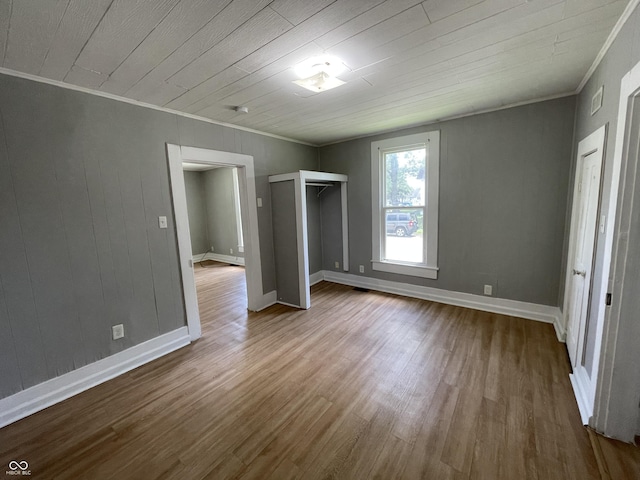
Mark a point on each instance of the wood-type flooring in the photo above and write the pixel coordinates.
(364, 385)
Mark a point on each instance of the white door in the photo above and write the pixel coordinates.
(581, 261)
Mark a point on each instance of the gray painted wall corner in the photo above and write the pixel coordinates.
(503, 191)
(90, 176)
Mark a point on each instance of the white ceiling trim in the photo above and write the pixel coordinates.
(111, 96)
(633, 4)
(57, 83)
(607, 44)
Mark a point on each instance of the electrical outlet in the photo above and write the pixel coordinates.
(212, 249)
(117, 331)
(162, 222)
(337, 264)
(361, 268)
(488, 290)
(231, 251)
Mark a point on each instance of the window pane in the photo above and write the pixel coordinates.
(404, 239)
(404, 178)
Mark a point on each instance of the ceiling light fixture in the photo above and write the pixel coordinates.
(319, 82)
(318, 74)
(328, 64)
(241, 109)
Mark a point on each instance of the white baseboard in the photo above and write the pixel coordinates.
(218, 257)
(50, 392)
(316, 278)
(198, 257)
(558, 324)
(531, 311)
(580, 392)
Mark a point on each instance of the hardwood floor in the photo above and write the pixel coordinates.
(363, 385)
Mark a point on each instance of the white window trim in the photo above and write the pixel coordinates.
(430, 268)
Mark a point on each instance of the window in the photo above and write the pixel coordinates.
(405, 172)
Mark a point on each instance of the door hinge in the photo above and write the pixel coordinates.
(579, 187)
(607, 300)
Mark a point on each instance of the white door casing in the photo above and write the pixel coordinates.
(248, 204)
(584, 219)
(612, 414)
(300, 180)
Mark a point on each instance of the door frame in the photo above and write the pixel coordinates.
(300, 180)
(583, 384)
(176, 154)
(608, 415)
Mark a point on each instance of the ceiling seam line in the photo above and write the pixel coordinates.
(6, 41)
(87, 40)
(177, 48)
(46, 55)
(209, 49)
(141, 41)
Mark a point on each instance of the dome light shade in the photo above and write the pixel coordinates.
(319, 73)
(319, 82)
(328, 64)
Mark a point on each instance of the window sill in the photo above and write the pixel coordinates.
(412, 270)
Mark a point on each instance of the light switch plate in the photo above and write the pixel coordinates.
(162, 222)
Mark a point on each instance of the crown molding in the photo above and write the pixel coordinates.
(607, 44)
(118, 98)
(454, 117)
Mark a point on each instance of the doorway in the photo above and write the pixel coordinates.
(289, 198)
(215, 219)
(176, 155)
(582, 241)
(616, 411)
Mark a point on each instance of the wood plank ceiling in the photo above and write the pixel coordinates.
(409, 62)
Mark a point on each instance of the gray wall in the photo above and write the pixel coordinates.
(314, 229)
(212, 211)
(331, 204)
(503, 194)
(83, 180)
(285, 239)
(221, 211)
(197, 210)
(623, 55)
